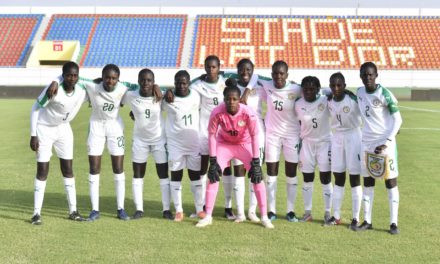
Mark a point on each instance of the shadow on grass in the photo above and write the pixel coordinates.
(19, 205)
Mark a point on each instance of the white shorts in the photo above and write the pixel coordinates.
(346, 149)
(60, 137)
(390, 151)
(141, 150)
(315, 153)
(274, 144)
(204, 146)
(192, 162)
(111, 131)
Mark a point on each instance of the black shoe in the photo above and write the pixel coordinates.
(167, 215)
(272, 216)
(353, 225)
(229, 214)
(364, 226)
(36, 219)
(138, 214)
(75, 216)
(394, 230)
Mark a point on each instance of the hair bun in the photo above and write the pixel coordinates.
(231, 82)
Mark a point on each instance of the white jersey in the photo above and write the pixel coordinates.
(211, 96)
(376, 110)
(62, 107)
(254, 100)
(105, 105)
(280, 117)
(314, 118)
(182, 124)
(345, 115)
(148, 124)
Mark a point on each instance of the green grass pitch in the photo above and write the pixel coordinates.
(154, 240)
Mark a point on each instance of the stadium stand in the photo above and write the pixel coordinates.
(16, 35)
(321, 42)
(126, 40)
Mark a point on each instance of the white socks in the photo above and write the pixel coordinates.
(307, 191)
(197, 190)
(291, 189)
(368, 198)
(166, 193)
(39, 188)
(356, 200)
(252, 198)
(327, 193)
(338, 197)
(271, 193)
(239, 187)
(228, 185)
(203, 178)
(94, 191)
(176, 195)
(69, 187)
(138, 189)
(120, 189)
(393, 198)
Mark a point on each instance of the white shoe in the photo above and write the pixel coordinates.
(253, 217)
(193, 215)
(240, 218)
(267, 224)
(204, 222)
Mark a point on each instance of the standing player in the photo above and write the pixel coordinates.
(282, 132)
(106, 126)
(313, 115)
(50, 126)
(148, 137)
(233, 133)
(345, 148)
(182, 132)
(382, 121)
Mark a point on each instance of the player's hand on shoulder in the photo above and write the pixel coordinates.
(245, 96)
(157, 93)
(214, 170)
(52, 90)
(97, 80)
(255, 173)
(34, 143)
(169, 96)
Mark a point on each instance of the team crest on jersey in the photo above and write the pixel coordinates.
(376, 102)
(321, 107)
(291, 96)
(346, 109)
(241, 123)
(377, 165)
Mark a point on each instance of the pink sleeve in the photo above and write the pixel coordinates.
(212, 130)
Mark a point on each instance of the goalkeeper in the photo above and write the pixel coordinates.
(233, 133)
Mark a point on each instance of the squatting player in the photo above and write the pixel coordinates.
(382, 121)
(50, 126)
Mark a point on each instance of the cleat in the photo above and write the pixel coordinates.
(332, 221)
(178, 217)
(93, 216)
(353, 225)
(291, 217)
(307, 217)
(272, 216)
(394, 230)
(240, 219)
(75, 216)
(327, 217)
(364, 226)
(253, 217)
(167, 215)
(205, 222)
(267, 224)
(122, 215)
(36, 219)
(229, 214)
(138, 214)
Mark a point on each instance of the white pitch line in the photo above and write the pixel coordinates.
(420, 109)
(420, 128)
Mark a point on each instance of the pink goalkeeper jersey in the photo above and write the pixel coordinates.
(238, 129)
